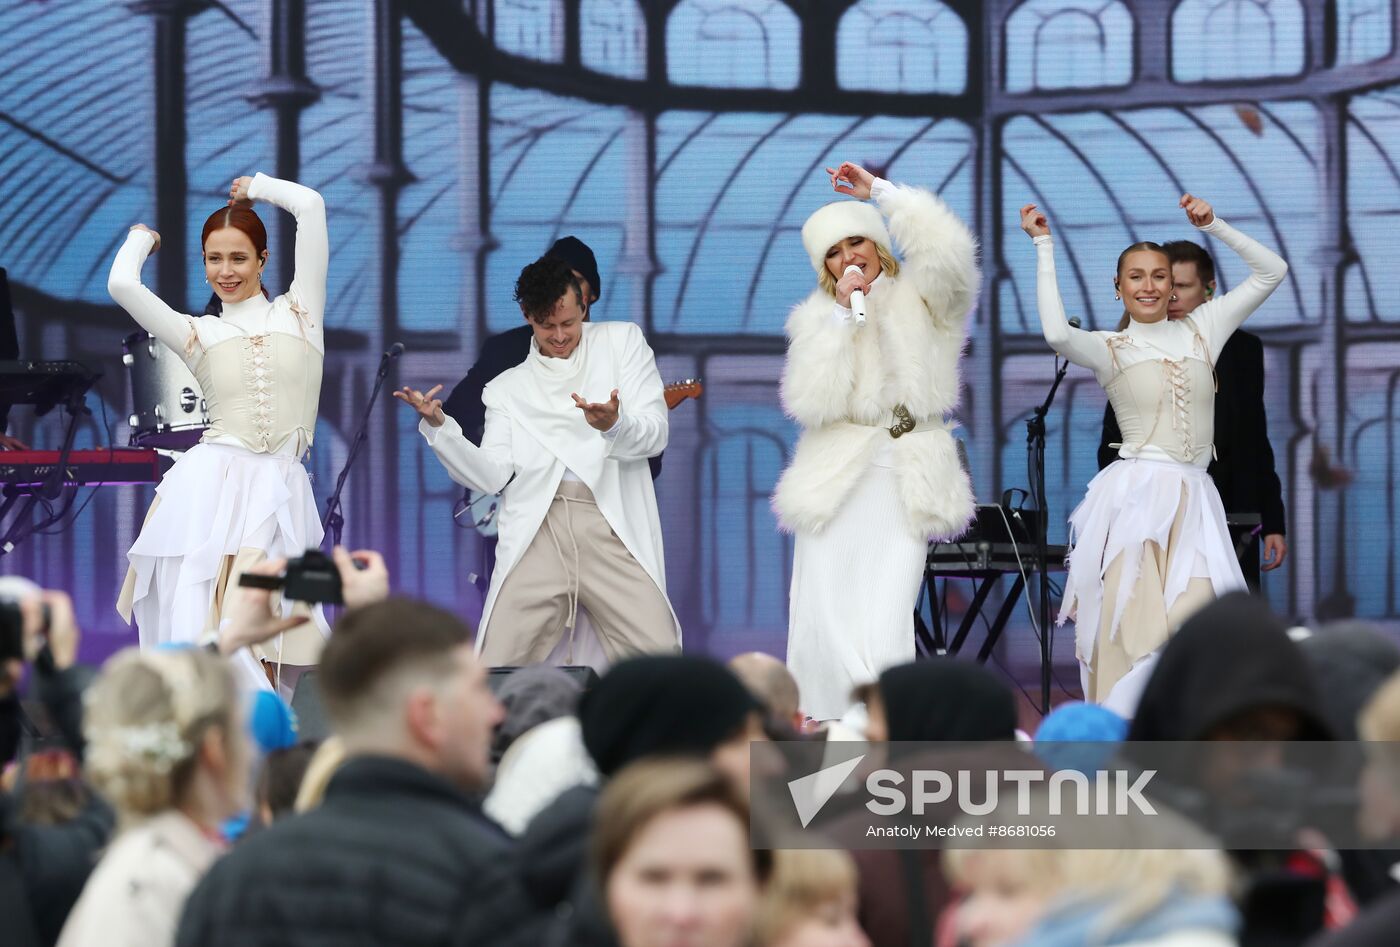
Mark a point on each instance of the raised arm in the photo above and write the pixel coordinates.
(1080, 347)
(313, 243)
(149, 310)
(643, 425)
(939, 252)
(1219, 318)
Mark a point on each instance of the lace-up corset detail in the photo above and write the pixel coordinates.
(1168, 404)
(256, 366)
(262, 390)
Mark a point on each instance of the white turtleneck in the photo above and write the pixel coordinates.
(1217, 319)
(565, 370)
(298, 312)
(1208, 327)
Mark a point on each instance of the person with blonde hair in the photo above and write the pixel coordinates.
(1150, 541)
(810, 901)
(672, 855)
(871, 376)
(166, 748)
(1057, 897)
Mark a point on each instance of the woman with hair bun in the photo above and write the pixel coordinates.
(166, 749)
(242, 494)
(1150, 544)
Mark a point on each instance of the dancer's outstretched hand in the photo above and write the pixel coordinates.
(600, 417)
(1033, 221)
(1197, 211)
(425, 404)
(851, 179)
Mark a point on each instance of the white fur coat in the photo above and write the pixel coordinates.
(841, 382)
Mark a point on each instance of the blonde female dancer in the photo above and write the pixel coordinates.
(1150, 541)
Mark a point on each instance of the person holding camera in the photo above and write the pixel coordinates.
(242, 494)
(44, 862)
(568, 434)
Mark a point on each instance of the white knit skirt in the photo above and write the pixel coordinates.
(854, 587)
(1149, 543)
(221, 505)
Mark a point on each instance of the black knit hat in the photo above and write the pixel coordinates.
(663, 704)
(944, 699)
(577, 254)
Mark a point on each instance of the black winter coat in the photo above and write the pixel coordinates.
(394, 855)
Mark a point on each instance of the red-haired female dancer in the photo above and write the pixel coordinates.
(241, 495)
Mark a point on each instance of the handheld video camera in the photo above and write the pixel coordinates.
(313, 579)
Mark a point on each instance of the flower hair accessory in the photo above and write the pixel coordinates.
(159, 744)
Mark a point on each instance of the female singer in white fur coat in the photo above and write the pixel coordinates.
(876, 472)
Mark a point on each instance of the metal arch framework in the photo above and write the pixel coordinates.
(985, 103)
(453, 30)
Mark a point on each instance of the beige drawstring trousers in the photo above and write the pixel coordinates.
(577, 560)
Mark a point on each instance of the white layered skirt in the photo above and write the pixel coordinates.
(854, 587)
(1150, 546)
(219, 510)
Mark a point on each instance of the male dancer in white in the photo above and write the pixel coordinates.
(578, 521)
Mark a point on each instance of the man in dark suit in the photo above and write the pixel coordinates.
(508, 349)
(1243, 470)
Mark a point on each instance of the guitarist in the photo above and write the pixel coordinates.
(508, 349)
(566, 435)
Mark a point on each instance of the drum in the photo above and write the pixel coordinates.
(168, 409)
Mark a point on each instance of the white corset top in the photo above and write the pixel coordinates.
(262, 391)
(1166, 407)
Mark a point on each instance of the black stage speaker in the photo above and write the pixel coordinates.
(311, 718)
(582, 675)
(306, 704)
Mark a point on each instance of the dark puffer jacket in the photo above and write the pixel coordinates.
(395, 855)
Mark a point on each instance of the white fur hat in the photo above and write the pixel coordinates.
(837, 221)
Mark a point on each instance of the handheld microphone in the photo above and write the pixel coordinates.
(857, 297)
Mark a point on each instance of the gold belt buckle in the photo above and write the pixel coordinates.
(904, 424)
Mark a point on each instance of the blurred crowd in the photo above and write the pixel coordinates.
(152, 801)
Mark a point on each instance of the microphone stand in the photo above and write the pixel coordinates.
(333, 523)
(1035, 460)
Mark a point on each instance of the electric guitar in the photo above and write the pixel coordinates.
(478, 510)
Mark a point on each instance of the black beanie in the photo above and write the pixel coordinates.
(663, 704)
(576, 253)
(944, 699)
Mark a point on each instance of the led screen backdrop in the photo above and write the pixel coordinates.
(455, 139)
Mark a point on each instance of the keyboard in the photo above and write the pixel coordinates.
(112, 465)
